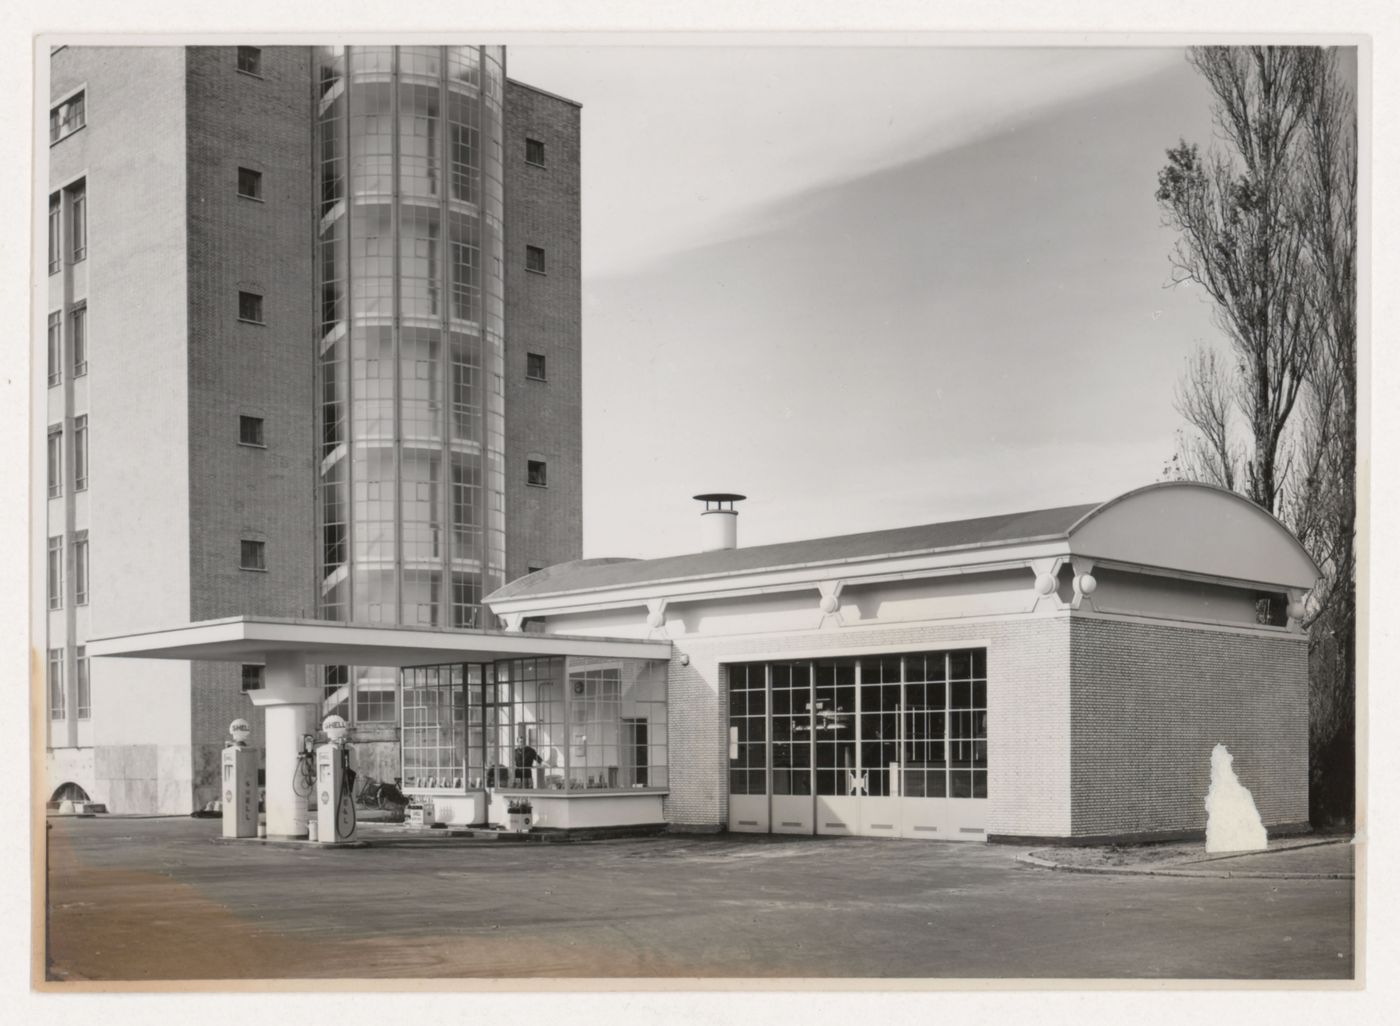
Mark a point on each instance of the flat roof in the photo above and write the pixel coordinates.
(322, 642)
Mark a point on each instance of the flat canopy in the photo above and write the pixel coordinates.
(250, 638)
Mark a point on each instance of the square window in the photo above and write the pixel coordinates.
(252, 555)
(250, 307)
(250, 60)
(537, 473)
(534, 152)
(534, 259)
(250, 431)
(67, 117)
(534, 366)
(252, 678)
(249, 183)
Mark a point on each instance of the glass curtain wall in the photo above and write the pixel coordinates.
(536, 724)
(409, 246)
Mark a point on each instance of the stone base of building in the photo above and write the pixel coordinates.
(1137, 837)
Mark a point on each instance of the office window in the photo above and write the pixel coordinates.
(252, 678)
(249, 183)
(55, 233)
(250, 60)
(56, 703)
(534, 366)
(67, 118)
(77, 339)
(534, 259)
(56, 572)
(84, 685)
(77, 201)
(534, 152)
(80, 568)
(80, 453)
(537, 473)
(250, 307)
(252, 555)
(250, 431)
(55, 462)
(55, 348)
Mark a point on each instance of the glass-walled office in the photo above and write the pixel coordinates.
(562, 724)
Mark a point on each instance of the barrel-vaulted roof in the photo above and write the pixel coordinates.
(1182, 526)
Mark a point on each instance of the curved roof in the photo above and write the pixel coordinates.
(1176, 525)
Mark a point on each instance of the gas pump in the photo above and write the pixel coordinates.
(335, 785)
(240, 782)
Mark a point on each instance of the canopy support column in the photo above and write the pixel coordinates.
(289, 712)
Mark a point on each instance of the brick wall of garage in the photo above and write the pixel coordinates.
(1150, 701)
(1028, 713)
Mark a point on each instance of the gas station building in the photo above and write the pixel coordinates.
(1057, 674)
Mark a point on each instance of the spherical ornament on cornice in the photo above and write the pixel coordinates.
(1044, 584)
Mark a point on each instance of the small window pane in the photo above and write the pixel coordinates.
(534, 259)
(253, 555)
(535, 366)
(250, 430)
(250, 307)
(252, 678)
(250, 60)
(249, 183)
(67, 117)
(537, 473)
(534, 152)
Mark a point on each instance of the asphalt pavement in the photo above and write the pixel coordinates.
(165, 900)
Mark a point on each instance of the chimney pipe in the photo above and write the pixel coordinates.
(718, 523)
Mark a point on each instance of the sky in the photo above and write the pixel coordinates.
(871, 287)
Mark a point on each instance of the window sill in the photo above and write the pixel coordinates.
(533, 377)
(260, 324)
(254, 569)
(531, 270)
(254, 199)
(536, 163)
(251, 74)
(253, 445)
(532, 484)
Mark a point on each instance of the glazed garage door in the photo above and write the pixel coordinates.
(890, 745)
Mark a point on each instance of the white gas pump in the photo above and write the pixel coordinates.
(335, 785)
(240, 782)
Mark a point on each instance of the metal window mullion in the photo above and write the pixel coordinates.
(444, 413)
(396, 329)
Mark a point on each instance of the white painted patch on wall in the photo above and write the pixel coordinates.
(1232, 821)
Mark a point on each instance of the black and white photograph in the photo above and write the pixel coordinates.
(521, 511)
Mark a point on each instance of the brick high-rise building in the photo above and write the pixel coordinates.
(312, 351)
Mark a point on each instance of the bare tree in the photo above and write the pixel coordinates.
(1239, 240)
(1205, 400)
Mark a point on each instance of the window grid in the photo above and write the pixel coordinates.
(56, 572)
(252, 554)
(80, 453)
(748, 730)
(77, 331)
(67, 117)
(57, 705)
(250, 677)
(84, 685)
(80, 568)
(55, 348)
(55, 456)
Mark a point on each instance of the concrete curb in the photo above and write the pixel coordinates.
(1030, 859)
